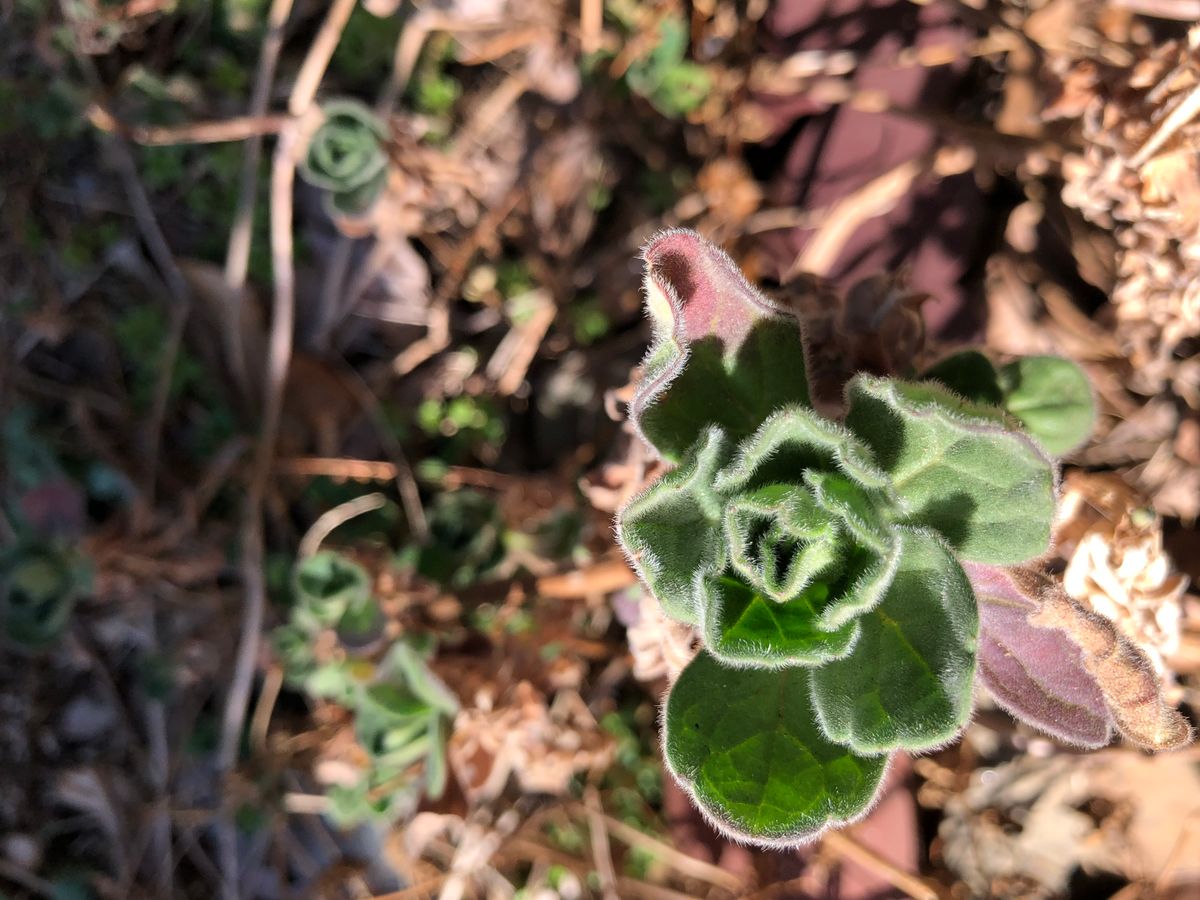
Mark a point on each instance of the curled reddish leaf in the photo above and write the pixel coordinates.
(723, 354)
(1035, 673)
(1116, 668)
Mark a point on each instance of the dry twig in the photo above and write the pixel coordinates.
(237, 254)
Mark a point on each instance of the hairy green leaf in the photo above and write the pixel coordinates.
(1052, 398)
(794, 440)
(907, 682)
(969, 374)
(346, 156)
(743, 627)
(989, 490)
(672, 533)
(779, 540)
(327, 585)
(722, 354)
(746, 745)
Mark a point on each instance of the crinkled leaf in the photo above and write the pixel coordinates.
(779, 540)
(346, 155)
(1052, 398)
(722, 354)
(988, 489)
(861, 584)
(907, 682)
(405, 663)
(672, 531)
(327, 585)
(857, 510)
(745, 744)
(743, 627)
(1033, 672)
(969, 374)
(794, 440)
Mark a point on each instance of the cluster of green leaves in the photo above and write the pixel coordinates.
(664, 76)
(346, 156)
(401, 710)
(40, 581)
(820, 560)
(673, 84)
(466, 540)
(464, 424)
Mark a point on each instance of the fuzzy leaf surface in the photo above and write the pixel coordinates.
(1035, 673)
(969, 374)
(1132, 689)
(1052, 398)
(722, 354)
(672, 530)
(746, 745)
(742, 627)
(907, 682)
(988, 489)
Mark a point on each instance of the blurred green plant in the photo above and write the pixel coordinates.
(346, 157)
(466, 426)
(665, 77)
(365, 49)
(433, 90)
(467, 540)
(39, 584)
(589, 321)
(400, 708)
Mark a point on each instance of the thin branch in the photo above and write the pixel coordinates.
(601, 852)
(685, 865)
(406, 482)
(334, 518)
(313, 69)
(212, 132)
(279, 351)
(237, 255)
(260, 722)
(283, 175)
(848, 847)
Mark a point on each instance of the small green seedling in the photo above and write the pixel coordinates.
(401, 710)
(39, 584)
(346, 157)
(673, 84)
(466, 540)
(822, 561)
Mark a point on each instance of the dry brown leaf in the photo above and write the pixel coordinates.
(1123, 672)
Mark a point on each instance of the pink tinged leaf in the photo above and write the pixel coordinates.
(694, 291)
(722, 353)
(1123, 672)
(1036, 673)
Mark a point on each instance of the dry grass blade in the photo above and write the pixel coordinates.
(216, 132)
(601, 852)
(844, 845)
(334, 518)
(237, 254)
(685, 865)
(875, 198)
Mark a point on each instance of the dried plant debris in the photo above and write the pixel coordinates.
(1033, 826)
(1116, 566)
(1139, 176)
(660, 646)
(518, 735)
